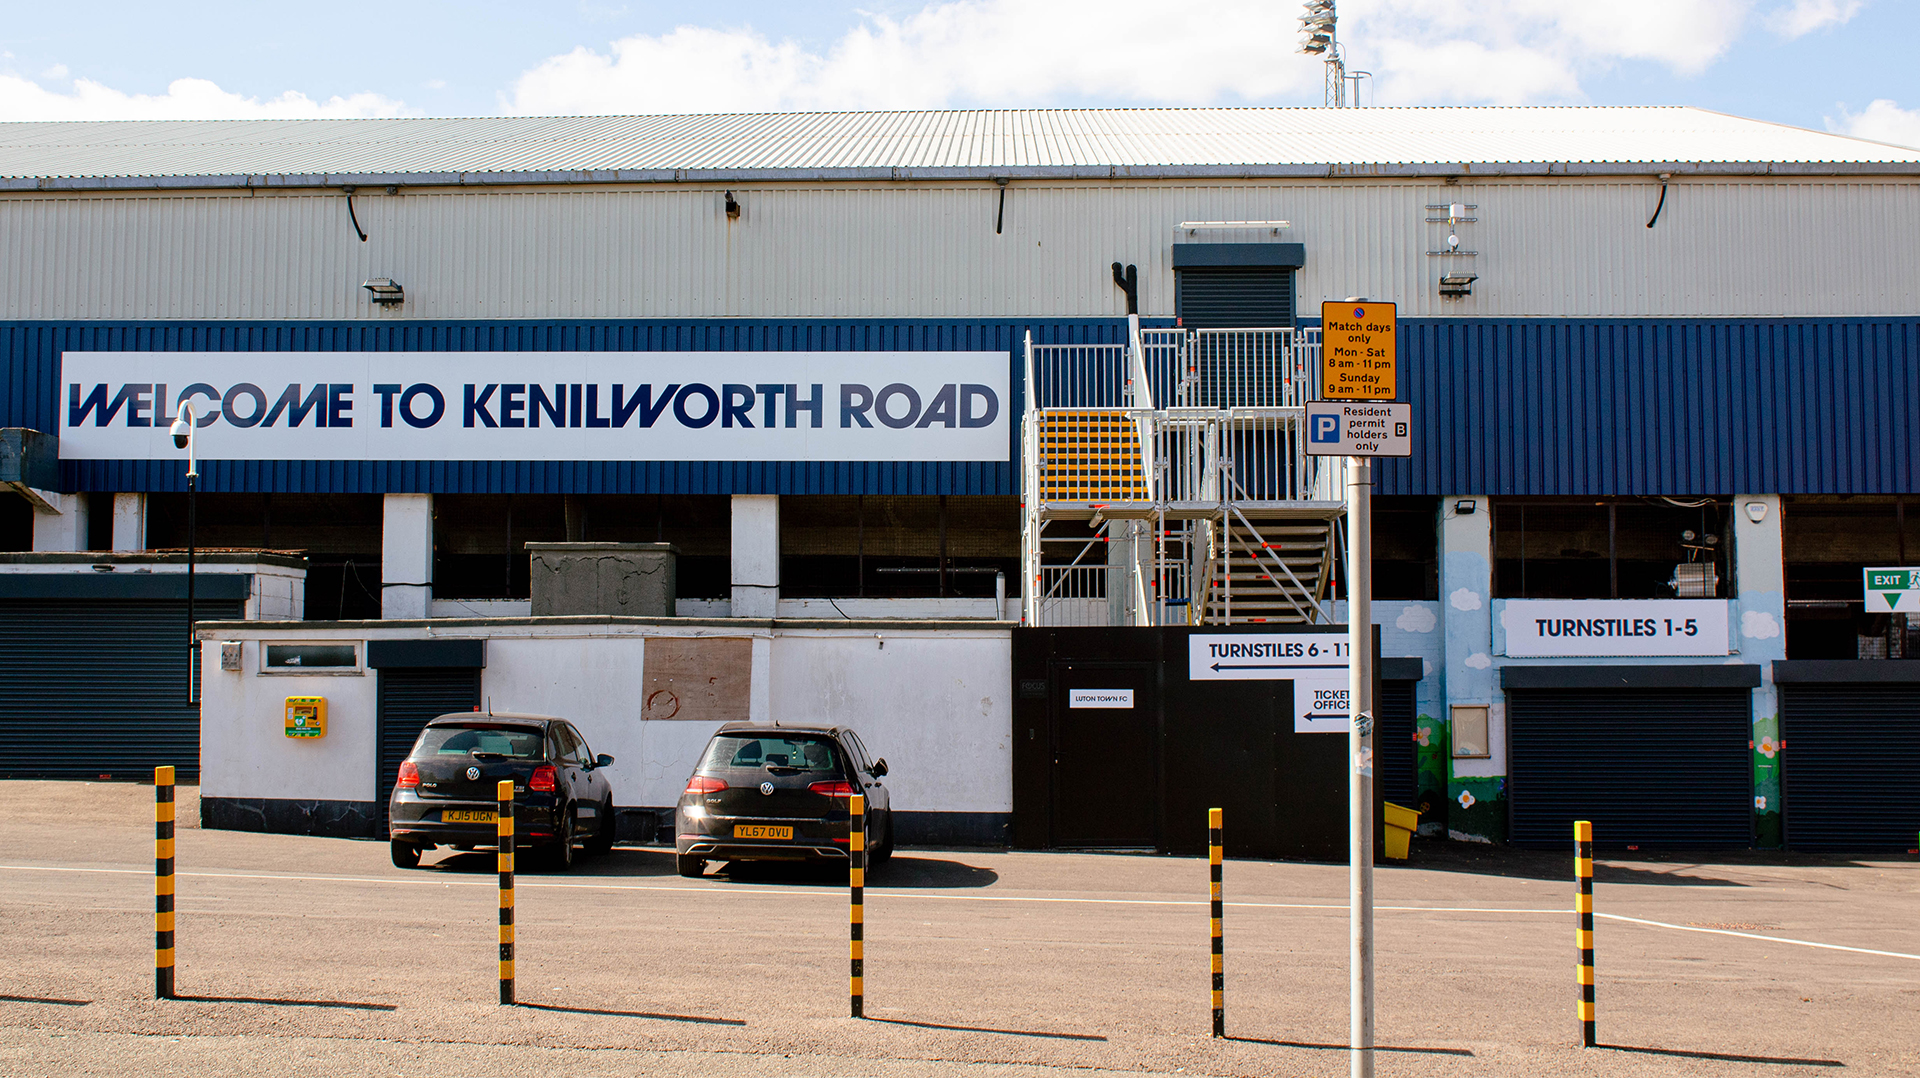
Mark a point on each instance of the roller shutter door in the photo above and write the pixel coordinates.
(1233, 297)
(1393, 741)
(1659, 767)
(1850, 773)
(406, 699)
(97, 689)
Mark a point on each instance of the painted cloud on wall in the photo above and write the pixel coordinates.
(1417, 619)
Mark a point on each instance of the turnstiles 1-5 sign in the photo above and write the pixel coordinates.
(1358, 352)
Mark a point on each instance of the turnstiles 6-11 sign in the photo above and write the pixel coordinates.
(1316, 664)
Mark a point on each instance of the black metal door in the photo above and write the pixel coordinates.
(97, 689)
(406, 699)
(1105, 761)
(1850, 772)
(1394, 769)
(1662, 767)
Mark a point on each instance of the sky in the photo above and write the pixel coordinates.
(1833, 65)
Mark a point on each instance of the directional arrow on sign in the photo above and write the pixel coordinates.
(1273, 667)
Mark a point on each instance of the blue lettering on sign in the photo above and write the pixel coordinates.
(1326, 428)
(741, 406)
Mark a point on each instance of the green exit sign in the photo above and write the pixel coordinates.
(1892, 588)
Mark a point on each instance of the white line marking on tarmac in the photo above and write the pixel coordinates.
(1756, 937)
(487, 882)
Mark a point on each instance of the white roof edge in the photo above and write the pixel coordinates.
(1426, 170)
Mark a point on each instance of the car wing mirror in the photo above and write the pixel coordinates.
(603, 761)
(880, 767)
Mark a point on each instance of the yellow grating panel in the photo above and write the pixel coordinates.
(1090, 457)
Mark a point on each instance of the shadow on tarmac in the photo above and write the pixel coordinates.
(214, 999)
(44, 1000)
(1675, 868)
(640, 1015)
(903, 871)
(988, 1030)
(1756, 1059)
(1344, 1046)
(900, 872)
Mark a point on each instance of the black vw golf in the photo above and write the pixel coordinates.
(766, 792)
(446, 792)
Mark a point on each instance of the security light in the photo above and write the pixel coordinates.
(384, 290)
(1463, 507)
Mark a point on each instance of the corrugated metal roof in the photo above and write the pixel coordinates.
(1135, 142)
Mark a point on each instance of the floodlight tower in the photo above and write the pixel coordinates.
(1317, 39)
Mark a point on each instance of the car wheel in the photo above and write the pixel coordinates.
(882, 851)
(602, 841)
(560, 852)
(405, 855)
(690, 865)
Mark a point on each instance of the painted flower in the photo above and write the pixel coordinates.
(1759, 802)
(1767, 746)
(1466, 800)
(1423, 736)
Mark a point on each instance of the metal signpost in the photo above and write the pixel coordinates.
(1358, 376)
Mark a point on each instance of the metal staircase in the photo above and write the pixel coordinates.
(1165, 481)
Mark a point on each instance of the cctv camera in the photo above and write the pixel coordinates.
(182, 429)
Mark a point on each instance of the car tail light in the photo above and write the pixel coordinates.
(543, 779)
(839, 789)
(700, 785)
(409, 775)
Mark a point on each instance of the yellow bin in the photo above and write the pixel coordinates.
(1400, 825)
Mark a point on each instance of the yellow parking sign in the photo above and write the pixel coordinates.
(1358, 351)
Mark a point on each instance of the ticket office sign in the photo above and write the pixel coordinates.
(1359, 351)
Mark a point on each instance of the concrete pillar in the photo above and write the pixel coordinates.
(1476, 787)
(406, 557)
(130, 521)
(1760, 633)
(756, 556)
(61, 524)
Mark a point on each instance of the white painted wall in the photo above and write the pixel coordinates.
(933, 703)
(1759, 246)
(62, 531)
(756, 556)
(406, 556)
(130, 521)
(244, 750)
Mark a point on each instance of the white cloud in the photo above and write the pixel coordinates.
(1803, 17)
(1417, 619)
(1464, 599)
(1882, 121)
(958, 53)
(185, 99)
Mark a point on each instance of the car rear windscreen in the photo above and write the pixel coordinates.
(439, 742)
(803, 752)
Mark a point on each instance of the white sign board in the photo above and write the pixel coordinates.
(1891, 588)
(1099, 699)
(1316, 664)
(540, 406)
(1616, 627)
(1359, 428)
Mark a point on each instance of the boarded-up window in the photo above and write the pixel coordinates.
(708, 679)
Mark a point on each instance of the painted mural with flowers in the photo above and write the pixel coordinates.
(1766, 783)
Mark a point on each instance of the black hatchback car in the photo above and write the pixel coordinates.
(767, 792)
(447, 790)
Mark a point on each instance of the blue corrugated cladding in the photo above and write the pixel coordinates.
(30, 398)
(1659, 406)
(1502, 406)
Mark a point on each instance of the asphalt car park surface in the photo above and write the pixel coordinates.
(302, 955)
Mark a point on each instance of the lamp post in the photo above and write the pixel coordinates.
(182, 432)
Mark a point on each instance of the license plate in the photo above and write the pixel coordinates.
(763, 832)
(480, 817)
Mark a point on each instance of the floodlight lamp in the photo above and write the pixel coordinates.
(384, 290)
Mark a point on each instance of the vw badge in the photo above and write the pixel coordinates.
(473, 772)
(766, 787)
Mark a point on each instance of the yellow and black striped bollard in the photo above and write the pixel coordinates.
(1583, 908)
(504, 824)
(857, 881)
(163, 882)
(1215, 850)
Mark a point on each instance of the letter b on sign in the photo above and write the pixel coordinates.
(1326, 428)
